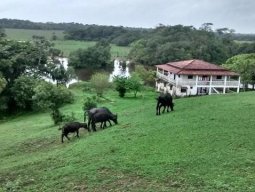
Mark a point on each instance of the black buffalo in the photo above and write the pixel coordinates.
(72, 127)
(90, 113)
(102, 117)
(165, 100)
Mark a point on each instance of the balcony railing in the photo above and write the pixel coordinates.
(213, 83)
(166, 78)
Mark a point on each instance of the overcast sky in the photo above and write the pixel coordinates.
(234, 14)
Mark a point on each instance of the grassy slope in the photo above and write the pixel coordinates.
(66, 46)
(207, 144)
(27, 34)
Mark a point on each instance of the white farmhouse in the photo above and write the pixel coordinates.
(195, 77)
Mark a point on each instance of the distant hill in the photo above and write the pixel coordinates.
(26, 24)
(118, 35)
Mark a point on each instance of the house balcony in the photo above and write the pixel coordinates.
(199, 83)
(166, 78)
(214, 83)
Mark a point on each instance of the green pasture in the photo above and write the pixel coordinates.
(66, 46)
(206, 144)
(27, 34)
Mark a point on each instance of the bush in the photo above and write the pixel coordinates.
(23, 91)
(51, 96)
(89, 103)
(100, 82)
(120, 85)
(59, 117)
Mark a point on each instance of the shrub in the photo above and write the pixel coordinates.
(49, 96)
(120, 85)
(100, 82)
(23, 91)
(89, 103)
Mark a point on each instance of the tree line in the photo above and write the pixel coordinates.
(173, 43)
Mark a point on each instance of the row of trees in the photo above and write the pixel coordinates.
(26, 24)
(118, 35)
(121, 36)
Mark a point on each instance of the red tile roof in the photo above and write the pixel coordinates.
(195, 67)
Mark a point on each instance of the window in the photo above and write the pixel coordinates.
(183, 90)
(219, 77)
(190, 76)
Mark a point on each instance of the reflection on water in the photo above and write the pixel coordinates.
(121, 68)
(64, 62)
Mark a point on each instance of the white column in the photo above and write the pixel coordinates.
(238, 88)
(196, 84)
(225, 83)
(210, 86)
(196, 80)
(176, 80)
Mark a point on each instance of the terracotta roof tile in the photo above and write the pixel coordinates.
(195, 67)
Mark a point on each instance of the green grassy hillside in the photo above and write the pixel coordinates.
(27, 34)
(66, 46)
(206, 144)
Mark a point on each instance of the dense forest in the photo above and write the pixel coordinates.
(172, 43)
(25, 24)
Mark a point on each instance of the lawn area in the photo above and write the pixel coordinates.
(206, 144)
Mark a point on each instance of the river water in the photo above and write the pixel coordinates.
(120, 68)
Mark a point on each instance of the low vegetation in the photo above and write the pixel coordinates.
(206, 144)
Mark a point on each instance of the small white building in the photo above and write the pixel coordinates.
(195, 77)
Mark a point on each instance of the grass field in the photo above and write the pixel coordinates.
(27, 34)
(66, 46)
(206, 144)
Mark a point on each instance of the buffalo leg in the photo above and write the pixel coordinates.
(62, 138)
(167, 108)
(67, 137)
(93, 126)
(102, 125)
(89, 122)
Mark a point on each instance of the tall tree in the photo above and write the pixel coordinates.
(2, 83)
(244, 64)
(21, 58)
(96, 57)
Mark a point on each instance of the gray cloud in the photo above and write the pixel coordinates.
(235, 14)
